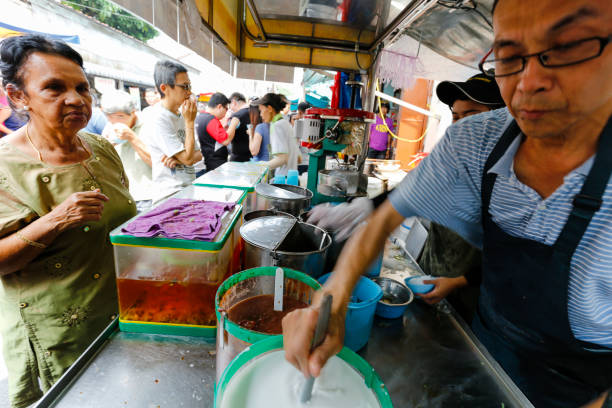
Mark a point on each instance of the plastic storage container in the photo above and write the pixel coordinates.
(371, 380)
(360, 313)
(244, 176)
(168, 286)
(232, 338)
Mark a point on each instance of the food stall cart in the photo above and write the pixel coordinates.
(428, 357)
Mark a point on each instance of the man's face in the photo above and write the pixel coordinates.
(219, 111)
(462, 109)
(178, 94)
(548, 102)
(233, 105)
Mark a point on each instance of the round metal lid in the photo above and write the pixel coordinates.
(282, 192)
(267, 232)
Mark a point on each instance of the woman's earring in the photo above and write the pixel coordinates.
(26, 107)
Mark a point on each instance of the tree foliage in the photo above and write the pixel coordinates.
(114, 16)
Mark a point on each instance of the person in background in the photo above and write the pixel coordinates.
(445, 253)
(5, 113)
(210, 132)
(237, 128)
(98, 120)
(152, 97)
(380, 136)
(301, 111)
(283, 147)
(259, 135)
(61, 191)
(169, 130)
(531, 183)
(125, 134)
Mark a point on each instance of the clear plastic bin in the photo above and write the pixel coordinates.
(167, 285)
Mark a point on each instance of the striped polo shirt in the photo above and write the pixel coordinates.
(445, 188)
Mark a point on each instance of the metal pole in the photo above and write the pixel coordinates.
(406, 104)
(408, 10)
(255, 15)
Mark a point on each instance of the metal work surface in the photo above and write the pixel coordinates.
(427, 358)
(146, 371)
(425, 361)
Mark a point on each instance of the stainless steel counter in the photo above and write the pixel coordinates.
(428, 358)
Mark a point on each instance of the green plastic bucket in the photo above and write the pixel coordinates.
(233, 338)
(275, 343)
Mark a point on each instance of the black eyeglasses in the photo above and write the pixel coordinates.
(562, 55)
(186, 87)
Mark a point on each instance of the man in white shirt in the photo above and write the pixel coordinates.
(169, 131)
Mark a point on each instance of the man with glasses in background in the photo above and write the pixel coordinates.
(529, 184)
(169, 131)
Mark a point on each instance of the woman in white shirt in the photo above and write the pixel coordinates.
(284, 150)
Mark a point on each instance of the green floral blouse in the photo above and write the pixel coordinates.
(59, 303)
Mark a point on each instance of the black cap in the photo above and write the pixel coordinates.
(479, 88)
(271, 99)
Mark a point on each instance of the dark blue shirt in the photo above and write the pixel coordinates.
(264, 149)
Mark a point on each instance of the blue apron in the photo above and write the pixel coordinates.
(522, 311)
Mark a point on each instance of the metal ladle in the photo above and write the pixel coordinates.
(319, 336)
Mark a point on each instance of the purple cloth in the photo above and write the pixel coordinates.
(379, 134)
(181, 218)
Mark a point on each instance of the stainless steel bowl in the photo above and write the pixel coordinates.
(395, 300)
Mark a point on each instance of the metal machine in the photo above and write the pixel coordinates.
(329, 132)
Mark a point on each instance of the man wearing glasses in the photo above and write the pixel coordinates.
(531, 185)
(169, 131)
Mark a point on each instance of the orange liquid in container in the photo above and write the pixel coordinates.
(257, 313)
(165, 301)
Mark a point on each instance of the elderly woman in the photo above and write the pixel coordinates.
(61, 192)
(120, 110)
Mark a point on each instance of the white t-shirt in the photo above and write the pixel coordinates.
(282, 141)
(165, 136)
(137, 171)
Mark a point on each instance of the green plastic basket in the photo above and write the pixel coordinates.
(371, 378)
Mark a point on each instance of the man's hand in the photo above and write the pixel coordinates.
(189, 110)
(442, 288)
(123, 132)
(298, 331)
(169, 162)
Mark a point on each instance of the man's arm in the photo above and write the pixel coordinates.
(359, 252)
(5, 113)
(231, 131)
(190, 155)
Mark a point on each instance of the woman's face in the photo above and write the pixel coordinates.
(267, 113)
(56, 92)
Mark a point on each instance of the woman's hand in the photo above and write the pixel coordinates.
(78, 209)
(298, 332)
(442, 288)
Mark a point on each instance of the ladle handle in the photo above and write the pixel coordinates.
(319, 336)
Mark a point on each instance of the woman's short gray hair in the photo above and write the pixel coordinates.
(118, 102)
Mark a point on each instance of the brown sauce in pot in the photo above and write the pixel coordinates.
(257, 313)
